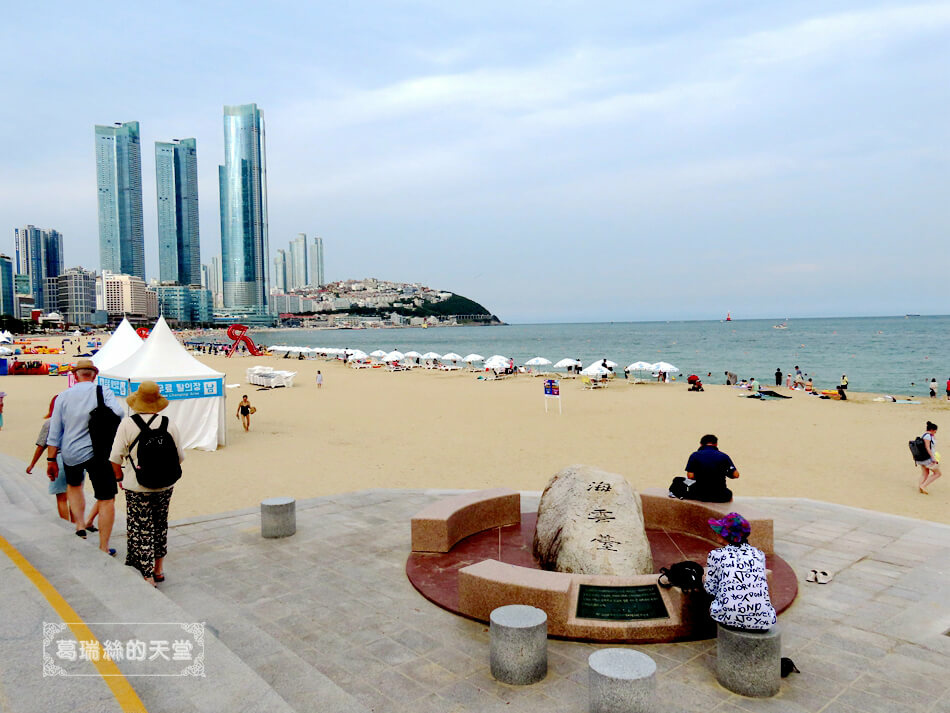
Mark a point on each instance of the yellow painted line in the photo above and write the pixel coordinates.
(125, 695)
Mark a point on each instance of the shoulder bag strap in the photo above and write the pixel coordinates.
(99, 398)
(143, 426)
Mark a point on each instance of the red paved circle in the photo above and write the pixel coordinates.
(435, 575)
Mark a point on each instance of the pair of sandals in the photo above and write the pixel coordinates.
(819, 576)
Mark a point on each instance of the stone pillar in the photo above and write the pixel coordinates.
(519, 644)
(278, 517)
(621, 681)
(749, 663)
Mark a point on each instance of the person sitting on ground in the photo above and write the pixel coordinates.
(844, 382)
(736, 578)
(809, 385)
(707, 470)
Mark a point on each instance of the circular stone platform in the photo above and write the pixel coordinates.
(435, 575)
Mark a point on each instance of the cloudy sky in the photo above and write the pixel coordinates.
(556, 161)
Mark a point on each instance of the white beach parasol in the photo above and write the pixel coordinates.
(564, 363)
(472, 358)
(451, 356)
(595, 369)
(663, 366)
(538, 361)
(431, 355)
(413, 354)
(640, 366)
(379, 354)
(497, 362)
(394, 356)
(357, 355)
(609, 364)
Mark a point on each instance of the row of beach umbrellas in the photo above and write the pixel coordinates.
(496, 361)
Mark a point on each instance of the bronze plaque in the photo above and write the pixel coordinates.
(620, 603)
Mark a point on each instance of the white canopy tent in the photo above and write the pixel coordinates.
(6, 337)
(195, 391)
(123, 343)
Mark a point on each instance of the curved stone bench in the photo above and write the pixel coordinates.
(661, 512)
(437, 527)
(490, 584)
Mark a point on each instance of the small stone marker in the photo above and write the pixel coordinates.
(621, 681)
(278, 517)
(749, 663)
(519, 644)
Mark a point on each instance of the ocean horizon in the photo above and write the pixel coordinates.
(897, 354)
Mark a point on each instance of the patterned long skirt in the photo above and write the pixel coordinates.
(147, 526)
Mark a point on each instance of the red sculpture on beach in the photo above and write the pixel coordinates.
(238, 333)
(142, 332)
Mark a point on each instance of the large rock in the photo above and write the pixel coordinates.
(591, 522)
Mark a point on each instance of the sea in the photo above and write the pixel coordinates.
(892, 355)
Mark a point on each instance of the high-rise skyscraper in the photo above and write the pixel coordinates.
(119, 180)
(7, 303)
(317, 278)
(243, 189)
(176, 180)
(215, 282)
(298, 267)
(39, 255)
(280, 272)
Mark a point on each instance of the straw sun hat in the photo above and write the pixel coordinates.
(147, 399)
(85, 364)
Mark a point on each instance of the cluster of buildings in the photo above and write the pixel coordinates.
(237, 286)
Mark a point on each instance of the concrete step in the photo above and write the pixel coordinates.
(102, 589)
(16, 492)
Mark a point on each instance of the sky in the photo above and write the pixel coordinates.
(554, 161)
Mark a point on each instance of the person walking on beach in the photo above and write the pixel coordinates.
(948, 389)
(844, 382)
(151, 444)
(778, 376)
(69, 434)
(244, 412)
(788, 380)
(319, 379)
(933, 387)
(56, 487)
(930, 468)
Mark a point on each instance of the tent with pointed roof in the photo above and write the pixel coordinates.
(195, 391)
(123, 343)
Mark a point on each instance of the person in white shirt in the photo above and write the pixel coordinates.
(146, 507)
(736, 579)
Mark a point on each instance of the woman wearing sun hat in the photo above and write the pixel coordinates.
(735, 577)
(146, 508)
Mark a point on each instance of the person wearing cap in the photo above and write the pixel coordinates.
(736, 578)
(708, 468)
(146, 508)
(69, 437)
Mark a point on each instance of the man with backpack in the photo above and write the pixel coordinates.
(81, 429)
(150, 446)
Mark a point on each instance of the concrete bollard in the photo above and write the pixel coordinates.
(621, 681)
(519, 644)
(749, 663)
(278, 517)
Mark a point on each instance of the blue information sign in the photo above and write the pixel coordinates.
(171, 390)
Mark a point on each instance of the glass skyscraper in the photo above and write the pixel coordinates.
(243, 188)
(119, 179)
(317, 278)
(39, 255)
(7, 303)
(176, 180)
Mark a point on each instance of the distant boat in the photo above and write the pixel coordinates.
(783, 325)
(911, 315)
(728, 317)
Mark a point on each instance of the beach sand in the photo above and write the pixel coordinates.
(371, 428)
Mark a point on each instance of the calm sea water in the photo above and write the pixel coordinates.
(881, 354)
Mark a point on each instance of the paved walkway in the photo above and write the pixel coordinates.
(335, 599)
(328, 620)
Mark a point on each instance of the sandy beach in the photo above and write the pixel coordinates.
(371, 428)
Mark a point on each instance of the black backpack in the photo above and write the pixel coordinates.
(103, 423)
(158, 465)
(687, 575)
(918, 449)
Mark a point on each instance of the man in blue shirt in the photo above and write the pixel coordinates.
(69, 436)
(708, 468)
